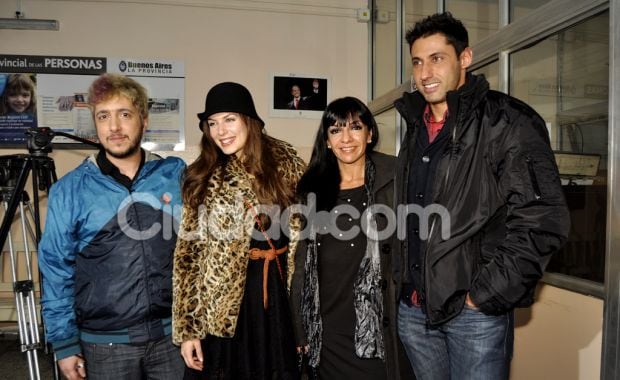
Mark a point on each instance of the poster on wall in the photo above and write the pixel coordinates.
(298, 95)
(51, 91)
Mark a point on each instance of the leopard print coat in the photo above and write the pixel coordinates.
(212, 250)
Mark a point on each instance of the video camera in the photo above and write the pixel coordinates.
(39, 140)
(39, 144)
(10, 167)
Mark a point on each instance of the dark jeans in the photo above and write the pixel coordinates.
(471, 346)
(158, 360)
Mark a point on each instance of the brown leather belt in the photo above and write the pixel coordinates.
(268, 255)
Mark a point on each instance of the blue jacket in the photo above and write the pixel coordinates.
(106, 255)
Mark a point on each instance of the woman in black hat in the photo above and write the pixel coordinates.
(235, 253)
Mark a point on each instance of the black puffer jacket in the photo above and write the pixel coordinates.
(500, 185)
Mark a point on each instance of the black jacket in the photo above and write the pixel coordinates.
(499, 183)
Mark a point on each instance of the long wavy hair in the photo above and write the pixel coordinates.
(258, 160)
(322, 177)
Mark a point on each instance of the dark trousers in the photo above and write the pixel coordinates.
(157, 360)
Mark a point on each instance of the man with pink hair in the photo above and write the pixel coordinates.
(106, 253)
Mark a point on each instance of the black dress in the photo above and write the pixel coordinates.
(263, 346)
(338, 264)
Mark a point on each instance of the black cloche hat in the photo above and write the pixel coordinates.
(229, 97)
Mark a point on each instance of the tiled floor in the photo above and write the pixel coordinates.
(14, 363)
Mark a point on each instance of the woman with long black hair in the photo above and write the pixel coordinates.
(343, 296)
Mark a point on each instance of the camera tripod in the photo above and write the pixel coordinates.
(14, 173)
(16, 170)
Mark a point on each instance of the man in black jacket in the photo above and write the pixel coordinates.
(485, 210)
(298, 102)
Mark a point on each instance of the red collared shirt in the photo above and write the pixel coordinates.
(433, 127)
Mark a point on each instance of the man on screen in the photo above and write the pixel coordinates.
(298, 102)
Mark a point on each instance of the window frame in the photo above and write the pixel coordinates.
(546, 21)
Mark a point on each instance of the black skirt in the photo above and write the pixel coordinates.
(263, 346)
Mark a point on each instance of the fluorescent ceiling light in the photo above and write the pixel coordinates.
(28, 24)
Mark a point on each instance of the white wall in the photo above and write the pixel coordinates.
(219, 40)
(559, 337)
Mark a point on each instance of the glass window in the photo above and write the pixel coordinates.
(565, 78)
(491, 73)
(415, 10)
(521, 8)
(480, 17)
(384, 53)
(386, 121)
